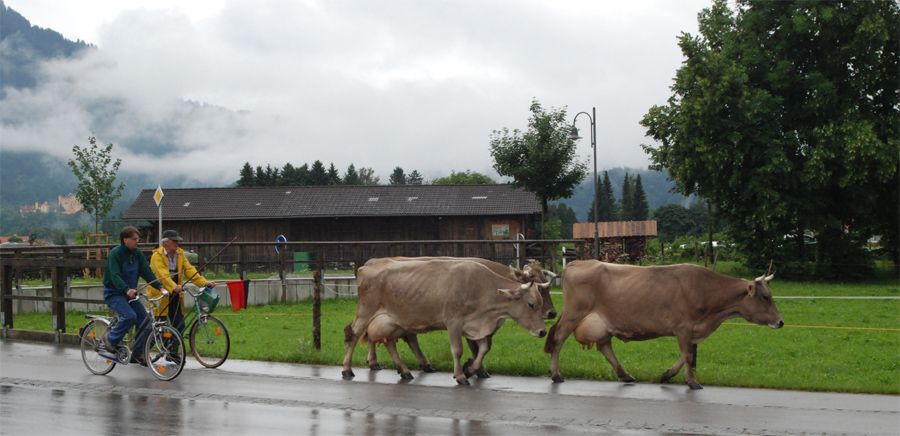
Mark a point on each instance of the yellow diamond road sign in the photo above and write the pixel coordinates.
(158, 195)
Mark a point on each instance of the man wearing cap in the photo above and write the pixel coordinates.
(169, 262)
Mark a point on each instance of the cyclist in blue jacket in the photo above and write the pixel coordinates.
(124, 266)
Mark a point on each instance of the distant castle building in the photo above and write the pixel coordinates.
(69, 204)
(45, 208)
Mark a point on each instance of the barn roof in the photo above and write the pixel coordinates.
(334, 201)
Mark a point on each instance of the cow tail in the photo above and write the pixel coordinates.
(551, 339)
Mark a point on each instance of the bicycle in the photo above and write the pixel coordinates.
(207, 335)
(163, 350)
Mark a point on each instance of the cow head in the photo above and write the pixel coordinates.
(525, 308)
(758, 306)
(536, 274)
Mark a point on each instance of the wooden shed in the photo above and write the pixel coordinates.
(340, 213)
(621, 241)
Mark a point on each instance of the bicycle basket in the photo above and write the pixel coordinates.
(208, 299)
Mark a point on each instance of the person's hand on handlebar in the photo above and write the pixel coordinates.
(132, 293)
(211, 284)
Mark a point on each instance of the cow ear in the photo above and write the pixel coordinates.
(515, 293)
(751, 288)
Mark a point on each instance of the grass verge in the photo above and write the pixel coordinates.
(827, 344)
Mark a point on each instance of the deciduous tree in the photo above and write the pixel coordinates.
(542, 159)
(784, 117)
(95, 170)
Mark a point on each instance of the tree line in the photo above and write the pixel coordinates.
(317, 175)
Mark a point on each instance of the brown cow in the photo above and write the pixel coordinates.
(632, 303)
(526, 275)
(464, 298)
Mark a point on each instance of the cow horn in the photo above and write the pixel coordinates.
(525, 286)
(769, 277)
(550, 274)
(544, 285)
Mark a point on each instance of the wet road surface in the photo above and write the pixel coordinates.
(45, 389)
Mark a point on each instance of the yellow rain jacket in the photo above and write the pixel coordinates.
(160, 265)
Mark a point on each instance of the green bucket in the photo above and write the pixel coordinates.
(208, 299)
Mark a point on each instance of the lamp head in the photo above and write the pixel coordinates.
(573, 135)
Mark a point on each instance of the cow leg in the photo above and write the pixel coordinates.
(413, 342)
(352, 333)
(687, 357)
(475, 366)
(607, 350)
(391, 346)
(553, 345)
(475, 348)
(372, 360)
(456, 347)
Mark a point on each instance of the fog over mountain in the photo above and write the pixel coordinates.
(187, 100)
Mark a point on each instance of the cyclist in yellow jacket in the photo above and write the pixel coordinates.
(169, 261)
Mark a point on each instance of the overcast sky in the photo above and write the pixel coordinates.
(380, 84)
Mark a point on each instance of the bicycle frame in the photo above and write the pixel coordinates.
(149, 323)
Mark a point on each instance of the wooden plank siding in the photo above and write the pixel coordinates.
(351, 230)
(614, 229)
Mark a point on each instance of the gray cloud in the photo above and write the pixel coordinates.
(420, 85)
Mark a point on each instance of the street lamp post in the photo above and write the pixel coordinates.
(573, 135)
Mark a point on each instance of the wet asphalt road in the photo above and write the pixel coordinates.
(45, 389)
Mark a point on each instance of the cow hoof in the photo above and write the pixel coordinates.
(348, 374)
(628, 378)
(463, 382)
(406, 375)
(429, 368)
(665, 376)
(694, 385)
(482, 373)
(375, 367)
(557, 378)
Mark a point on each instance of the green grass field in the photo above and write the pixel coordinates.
(835, 345)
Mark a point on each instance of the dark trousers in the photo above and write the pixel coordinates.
(176, 318)
(131, 313)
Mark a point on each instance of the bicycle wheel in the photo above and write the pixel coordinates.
(164, 351)
(209, 341)
(91, 338)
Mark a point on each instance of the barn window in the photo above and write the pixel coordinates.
(373, 198)
(479, 198)
(288, 192)
(187, 204)
(258, 204)
(411, 198)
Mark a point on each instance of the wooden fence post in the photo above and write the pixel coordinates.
(6, 315)
(317, 297)
(57, 302)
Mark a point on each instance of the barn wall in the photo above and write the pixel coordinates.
(452, 228)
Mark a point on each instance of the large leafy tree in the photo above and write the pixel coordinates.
(542, 159)
(97, 190)
(467, 177)
(367, 176)
(784, 118)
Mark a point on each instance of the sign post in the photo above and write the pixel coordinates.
(158, 197)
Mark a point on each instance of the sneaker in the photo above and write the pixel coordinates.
(107, 344)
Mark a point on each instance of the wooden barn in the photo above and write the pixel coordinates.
(340, 213)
